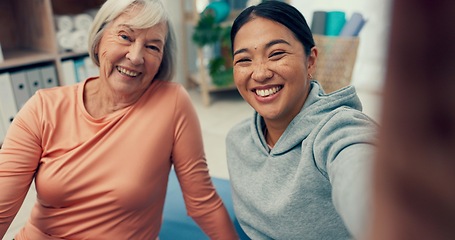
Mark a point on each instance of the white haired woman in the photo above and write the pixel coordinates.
(100, 151)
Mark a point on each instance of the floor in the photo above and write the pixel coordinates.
(227, 109)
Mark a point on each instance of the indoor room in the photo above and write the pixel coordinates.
(49, 38)
(47, 44)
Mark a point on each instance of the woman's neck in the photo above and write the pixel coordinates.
(99, 103)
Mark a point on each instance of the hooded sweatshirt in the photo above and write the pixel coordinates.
(314, 183)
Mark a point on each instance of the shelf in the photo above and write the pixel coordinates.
(22, 57)
(195, 77)
(28, 38)
(74, 6)
(68, 55)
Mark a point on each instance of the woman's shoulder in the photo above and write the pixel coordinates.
(352, 115)
(167, 94)
(56, 94)
(240, 129)
(168, 87)
(166, 84)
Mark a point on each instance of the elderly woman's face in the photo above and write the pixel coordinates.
(271, 69)
(130, 58)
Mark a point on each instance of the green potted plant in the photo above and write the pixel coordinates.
(207, 31)
(210, 32)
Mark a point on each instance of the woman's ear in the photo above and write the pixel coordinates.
(312, 61)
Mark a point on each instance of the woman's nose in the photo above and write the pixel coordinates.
(261, 72)
(135, 54)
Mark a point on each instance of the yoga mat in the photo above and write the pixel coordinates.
(353, 26)
(318, 22)
(335, 22)
(178, 225)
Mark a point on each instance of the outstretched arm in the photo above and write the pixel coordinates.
(415, 168)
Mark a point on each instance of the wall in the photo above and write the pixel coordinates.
(369, 71)
(176, 13)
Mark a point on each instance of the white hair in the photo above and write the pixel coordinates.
(147, 14)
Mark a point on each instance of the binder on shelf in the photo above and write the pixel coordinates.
(91, 69)
(69, 73)
(7, 101)
(2, 130)
(49, 76)
(80, 71)
(20, 88)
(33, 80)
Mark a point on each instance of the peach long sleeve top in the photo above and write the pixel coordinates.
(106, 178)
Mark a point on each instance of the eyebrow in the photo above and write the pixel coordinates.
(125, 26)
(268, 45)
(132, 30)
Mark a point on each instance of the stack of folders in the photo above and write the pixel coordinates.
(17, 86)
(334, 23)
(78, 69)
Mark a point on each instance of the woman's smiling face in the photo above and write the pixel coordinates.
(271, 69)
(130, 58)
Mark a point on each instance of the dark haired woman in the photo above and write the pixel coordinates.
(300, 167)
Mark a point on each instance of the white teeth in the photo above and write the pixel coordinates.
(127, 72)
(268, 92)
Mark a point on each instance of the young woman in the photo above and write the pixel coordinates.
(300, 167)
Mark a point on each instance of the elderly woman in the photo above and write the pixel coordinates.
(300, 166)
(100, 152)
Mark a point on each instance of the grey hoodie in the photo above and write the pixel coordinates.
(314, 183)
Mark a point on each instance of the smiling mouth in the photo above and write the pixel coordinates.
(267, 92)
(127, 72)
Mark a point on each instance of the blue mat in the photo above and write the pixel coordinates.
(177, 225)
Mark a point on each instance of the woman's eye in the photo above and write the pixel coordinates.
(242, 60)
(276, 54)
(154, 48)
(124, 37)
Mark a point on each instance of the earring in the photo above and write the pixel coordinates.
(310, 76)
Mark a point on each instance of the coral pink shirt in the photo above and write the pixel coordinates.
(105, 178)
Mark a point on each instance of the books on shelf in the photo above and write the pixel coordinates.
(78, 69)
(2, 130)
(19, 84)
(334, 23)
(7, 101)
(21, 90)
(49, 76)
(69, 72)
(34, 81)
